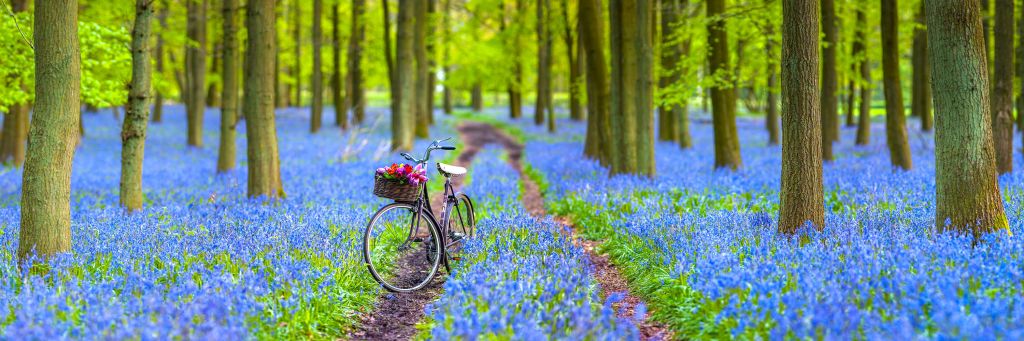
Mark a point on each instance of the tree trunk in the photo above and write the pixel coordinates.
(403, 119)
(575, 108)
(966, 187)
(727, 144)
(264, 163)
(599, 126)
(389, 58)
(317, 81)
(632, 87)
(543, 63)
(420, 52)
(431, 62)
(46, 181)
(477, 98)
(1020, 70)
(683, 120)
(356, 95)
(133, 131)
(895, 120)
(226, 155)
(297, 37)
(921, 96)
(772, 116)
(864, 117)
(158, 54)
(195, 71)
(851, 98)
(801, 199)
(669, 113)
(828, 100)
(447, 93)
(1002, 91)
(212, 96)
(340, 82)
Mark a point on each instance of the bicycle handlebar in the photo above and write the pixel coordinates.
(436, 144)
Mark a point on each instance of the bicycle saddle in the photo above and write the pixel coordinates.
(450, 170)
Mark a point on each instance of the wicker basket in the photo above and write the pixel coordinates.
(394, 190)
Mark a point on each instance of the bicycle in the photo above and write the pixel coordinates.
(400, 245)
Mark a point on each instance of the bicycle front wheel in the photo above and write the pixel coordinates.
(461, 227)
(402, 247)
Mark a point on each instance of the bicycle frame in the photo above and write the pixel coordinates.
(423, 207)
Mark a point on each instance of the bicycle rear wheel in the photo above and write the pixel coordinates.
(401, 247)
(461, 227)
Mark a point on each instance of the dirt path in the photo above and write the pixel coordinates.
(604, 271)
(395, 315)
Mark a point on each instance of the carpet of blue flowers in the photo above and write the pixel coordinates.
(700, 245)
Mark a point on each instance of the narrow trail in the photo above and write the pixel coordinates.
(395, 315)
(605, 273)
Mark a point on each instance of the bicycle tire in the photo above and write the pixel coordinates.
(401, 269)
(461, 227)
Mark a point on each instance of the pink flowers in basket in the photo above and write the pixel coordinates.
(403, 173)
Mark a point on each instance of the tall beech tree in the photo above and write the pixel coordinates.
(571, 49)
(355, 92)
(599, 142)
(317, 81)
(515, 98)
(632, 87)
(723, 98)
(829, 99)
(966, 186)
(195, 71)
(46, 181)
(801, 198)
(14, 133)
(136, 116)
(921, 95)
(158, 56)
(227, 153)
(895, 119)
(339, 82)
(420, 91)
(860, 53)
(264, 162)
(1002, 90)
(669, 114)
(297, 37)
(1020, 69)
(447, 36)
(543, 63)
(403, 117)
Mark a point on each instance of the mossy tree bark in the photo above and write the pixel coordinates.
(340, 82)
(389, 60)
(317, 79)
(571, 49)
(600, 144)
(421, 92)
(297, 38)
(1002, 90)
(669, 114)
(895, 119)
(632, 87)
(264, 162)
(543, 63)
(447, 36)
(967, 189)
(195, 71)
(136, 116)
(403, 118)
(227, 153)
(515, 97)
(1020, 69)
(476, 100)
(860, 53)
(431, 64)
(158, 56)
(683, 120)
(921, 96)
(46, 181)
(723, 100)
(356, 94)
(801, 198)
(829, 100)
